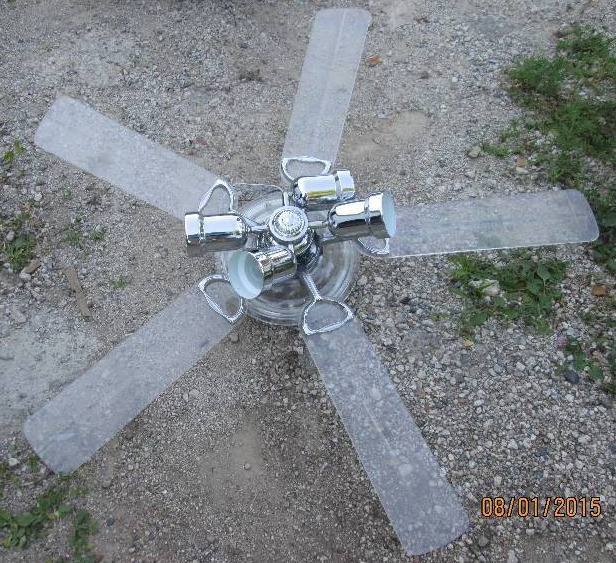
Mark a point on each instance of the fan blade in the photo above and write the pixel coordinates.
(70, 428)
(419, 502)
(499, 222)
(80, 135)
(325, 87)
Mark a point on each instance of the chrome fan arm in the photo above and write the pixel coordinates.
(419, 502)
(80, 135)
(538, 219)
(324, 93)
(71, 427)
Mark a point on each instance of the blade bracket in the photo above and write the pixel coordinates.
(319, 300)
(373, 250)
(213, 303)
(326, 166)
(220, 185)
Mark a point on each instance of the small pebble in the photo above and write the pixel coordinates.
(572, 376)
(18, 316)
(474, 152)
(491, 290)
(32, 267)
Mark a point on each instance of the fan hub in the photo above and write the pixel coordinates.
(333, 267)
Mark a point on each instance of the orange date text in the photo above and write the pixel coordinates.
(556, 507)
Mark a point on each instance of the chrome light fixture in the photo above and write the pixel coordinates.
(375, 216)
(212, 233)
(288, 243)
(251, 273)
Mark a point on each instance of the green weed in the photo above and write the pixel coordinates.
(83, 527)
(582, 361)
(571, 98)
(17, 530)
(20, 250)
(23, 527)
(16, 149)
(98, 234)
(6, 476)
(495, 149)
(603, 203)
(118, 283)
(528, 289)
(74, 236)
(5, 471)
(33, 463)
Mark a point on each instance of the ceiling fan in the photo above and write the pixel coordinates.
(287, 256)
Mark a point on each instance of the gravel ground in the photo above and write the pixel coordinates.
(244, 459)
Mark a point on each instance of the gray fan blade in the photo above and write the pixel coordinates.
(325, 87)
(497, 222)
(80, 135)
(419, 502)
(70, 428)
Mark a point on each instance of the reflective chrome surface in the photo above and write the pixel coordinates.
(251, 273)
(317, 167)
(211, 198)
(333, 268)
(321, 192)
(217, 307)
(324, 305)
(214, 233)
(375, 216)
(370, 249)
(265, 245)
(288, 224)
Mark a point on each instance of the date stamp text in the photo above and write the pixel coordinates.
(540, 507)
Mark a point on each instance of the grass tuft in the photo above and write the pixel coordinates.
(20, 250)
(19, 529)
(83, 527)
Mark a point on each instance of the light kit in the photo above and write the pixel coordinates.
(289, 241)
